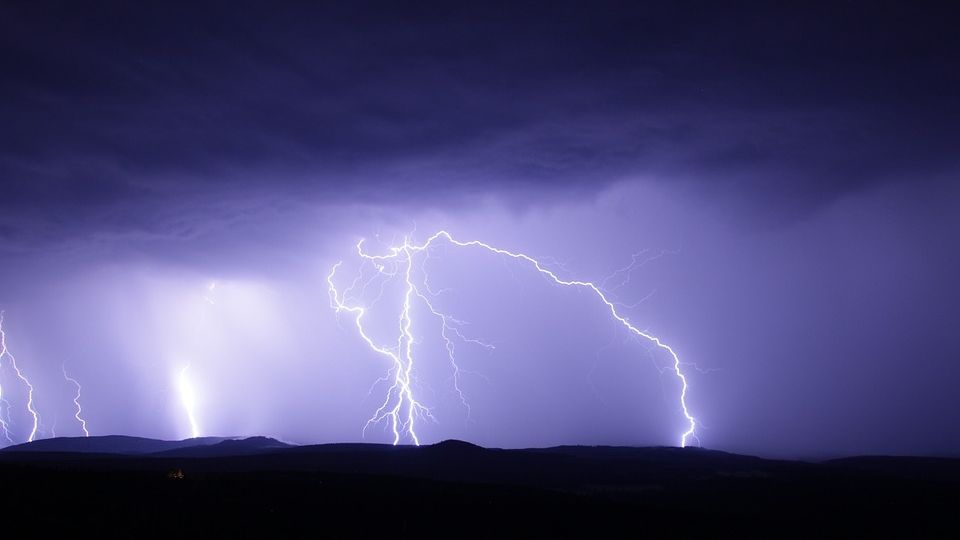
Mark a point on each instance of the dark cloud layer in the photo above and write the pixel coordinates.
(152, 104)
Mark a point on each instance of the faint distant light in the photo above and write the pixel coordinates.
(209, 298)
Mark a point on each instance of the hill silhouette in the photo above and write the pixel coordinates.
(227, 447)
(259, 485)
(109, 444)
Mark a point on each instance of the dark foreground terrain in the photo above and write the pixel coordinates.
(258, 487)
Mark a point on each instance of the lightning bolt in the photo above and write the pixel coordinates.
(4, 352)
(76, 402)
(188, 400)
(400, 409)
(5, 417)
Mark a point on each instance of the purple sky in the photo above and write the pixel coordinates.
(797, 170)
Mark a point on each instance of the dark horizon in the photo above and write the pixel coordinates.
(176, 183)
(214, 446)
(256, 485)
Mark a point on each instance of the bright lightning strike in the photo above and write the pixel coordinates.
(400, 409)
(188, 399)
(4, 352)
(76, 402)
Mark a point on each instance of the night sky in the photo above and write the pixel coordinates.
(788, 177)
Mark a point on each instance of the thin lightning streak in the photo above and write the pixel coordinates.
(403, 358)
(445, 328)
(76, 402)
(5, 417)
(449, 325)
(13, 363)
(627, 271)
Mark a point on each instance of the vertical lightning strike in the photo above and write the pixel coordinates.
(76, 402)
(400, 395)
(13, 363)
(5, 417)
(188, 400)
(400, 409)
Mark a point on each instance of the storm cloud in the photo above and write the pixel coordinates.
(796, 167)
